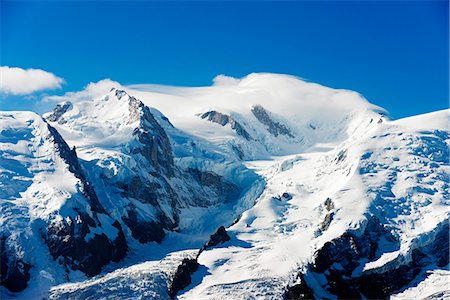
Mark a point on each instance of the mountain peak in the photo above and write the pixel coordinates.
(328, 193)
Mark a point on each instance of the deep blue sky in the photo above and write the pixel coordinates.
(394, 53)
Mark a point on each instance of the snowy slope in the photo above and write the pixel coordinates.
(309, 113)
(48, 209)
(148, 280)
(322, 194)
(395, 172)
(130, 158)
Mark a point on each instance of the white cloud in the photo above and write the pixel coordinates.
(223, 80)
(91, 91)
(18, 81)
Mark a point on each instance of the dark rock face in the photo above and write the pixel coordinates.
(151, 150)
(225, 190)
(15, 273)
(70, 157)
(327, 221)
(223, 119)
(338, 260)
(120, 244)
(382, 282)
(299, 291)
(329, 205)
(238, 150)
(154, 144)
(58, 111)
(341, 156)
(350, 247)
(219, 237)
(275, 128)
(144, 231)
(286, 196)
(68, 239)
(182, 277)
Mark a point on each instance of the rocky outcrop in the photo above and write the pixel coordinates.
(67, 237)
(275, 128)
(58, 111)
(70, 242)
(381, 282)
(219, 237)
(153, 142)
(329, 206)
(15, 273)
(71, 159)
(299, 291)
(223, 119)
(225, 191)
(182, 276)
(146, 231)
(340, 259)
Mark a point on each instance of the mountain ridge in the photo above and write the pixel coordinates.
(311, 176)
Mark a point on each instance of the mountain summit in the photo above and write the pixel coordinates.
(264, 187)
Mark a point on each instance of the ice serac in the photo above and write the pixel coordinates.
(48, 207)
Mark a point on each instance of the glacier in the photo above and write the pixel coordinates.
(264, 187)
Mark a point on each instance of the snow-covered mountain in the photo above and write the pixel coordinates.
(320, 195)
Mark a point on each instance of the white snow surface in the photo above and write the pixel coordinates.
(312, 112)
(435, 286)
(36, 187)
(344, 149)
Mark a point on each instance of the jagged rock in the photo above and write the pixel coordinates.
(219, 237)
(67, 238)
(379, 284)
(120, 244)
(339, 258)
(299, 291)
(238, 150)
(58, 111)
(273, 127)
(15, 273)
(154, 144)
(225, 190)
(278, 198)
(144, 231)
(224, 119)
(343, 250)
(329, 205)
(341, 156)
(327, 221)
(70, 157)
(182, 276)
(341, 286)
(286, 196)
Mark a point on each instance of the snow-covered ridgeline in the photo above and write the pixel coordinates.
(334, 196)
